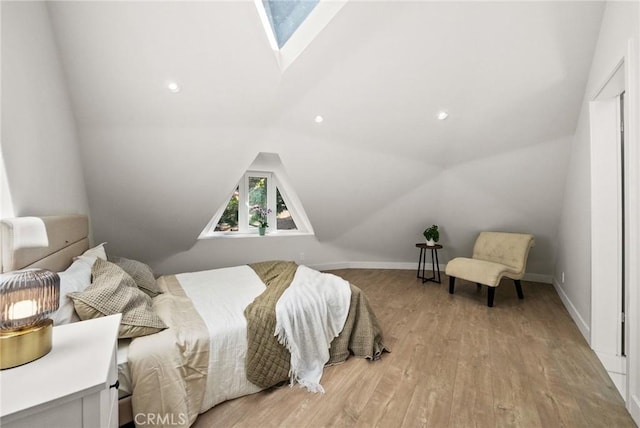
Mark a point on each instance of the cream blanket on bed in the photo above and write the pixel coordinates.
(169, 368)
(309, 315)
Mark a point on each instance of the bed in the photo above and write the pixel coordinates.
(219, 342)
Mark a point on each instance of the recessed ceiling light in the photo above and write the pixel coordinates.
(173, 87)
(319, 119)
(442, 115)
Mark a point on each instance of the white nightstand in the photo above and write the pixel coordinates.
(74, 385)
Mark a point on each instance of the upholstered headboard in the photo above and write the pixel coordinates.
(44, 242)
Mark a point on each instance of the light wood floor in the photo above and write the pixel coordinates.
(454, 362)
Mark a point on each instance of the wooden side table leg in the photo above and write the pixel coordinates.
(437, 267)
(424, 263)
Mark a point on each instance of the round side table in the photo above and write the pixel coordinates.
(435, 266)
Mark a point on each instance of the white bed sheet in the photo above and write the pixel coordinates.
(124, 376)
(220, 297)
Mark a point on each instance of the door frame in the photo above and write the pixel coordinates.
(631, 64)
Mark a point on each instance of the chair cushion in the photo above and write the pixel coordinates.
(511, 249)
(480, 271)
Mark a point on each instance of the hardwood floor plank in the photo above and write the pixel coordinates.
(429, 407)
(558, 405)
(356, 392)
(473, 393)
(382, 400)
(511, 386)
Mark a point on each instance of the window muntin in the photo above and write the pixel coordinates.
(257, 193)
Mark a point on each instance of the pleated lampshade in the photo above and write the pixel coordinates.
(27, 298)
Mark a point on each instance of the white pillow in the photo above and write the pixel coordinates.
(89, 257)
(88, 260)
(77, 277)
(97, 251)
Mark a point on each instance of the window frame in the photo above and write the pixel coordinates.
(244, 213)
(244, 228)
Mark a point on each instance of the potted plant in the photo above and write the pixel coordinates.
(432, 235)
(260, 218)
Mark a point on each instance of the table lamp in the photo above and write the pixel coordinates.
(27, 297)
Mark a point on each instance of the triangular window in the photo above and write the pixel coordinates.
(261, 196)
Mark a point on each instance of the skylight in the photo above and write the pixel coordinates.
(285, 16)
(291, 25)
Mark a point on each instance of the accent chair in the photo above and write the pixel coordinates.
(495, 255)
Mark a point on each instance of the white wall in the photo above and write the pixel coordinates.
(619, 24)
(395, 198)
(39, 143)
(376, 172)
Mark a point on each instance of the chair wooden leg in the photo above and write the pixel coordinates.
(490, 296)
(518, 288)
(452, 283)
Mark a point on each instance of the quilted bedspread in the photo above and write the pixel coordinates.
(267, 361)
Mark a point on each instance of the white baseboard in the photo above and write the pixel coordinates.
(575, 315)
(533, 277)
(612, 363)
(538, 277)
(616, 367)
(373, 265)
(620, 381)
(633, 405)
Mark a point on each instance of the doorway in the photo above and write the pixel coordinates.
(609, 184)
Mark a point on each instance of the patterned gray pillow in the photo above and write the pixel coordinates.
(113, 291)
(141, 274)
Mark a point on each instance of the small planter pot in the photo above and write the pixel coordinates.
(431, 242)
(262, 230)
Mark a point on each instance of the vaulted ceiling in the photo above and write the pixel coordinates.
(378, 73)
(379, 168)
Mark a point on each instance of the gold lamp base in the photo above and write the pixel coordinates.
(21, 346)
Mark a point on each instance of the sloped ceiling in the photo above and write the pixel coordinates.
(378, 170)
